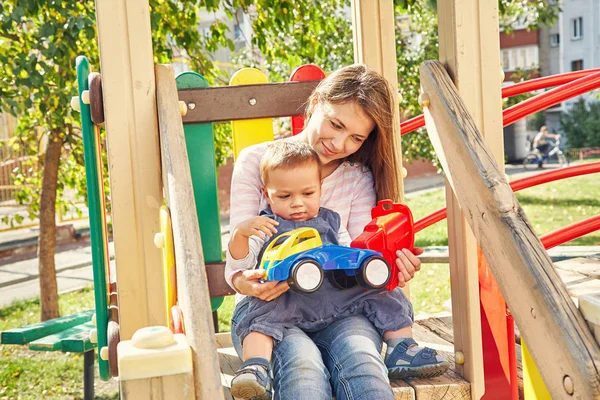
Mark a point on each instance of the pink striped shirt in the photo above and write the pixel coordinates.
(349, 191)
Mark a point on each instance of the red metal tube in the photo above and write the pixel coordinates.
(513, 90)
(520, 184)
(545, 82)
(570, 232)
(556, 175)
(551, 97)
(412, 124)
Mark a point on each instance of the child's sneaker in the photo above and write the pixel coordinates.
(406, 359)
(253, 380)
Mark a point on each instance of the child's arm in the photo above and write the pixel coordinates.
(257, 227)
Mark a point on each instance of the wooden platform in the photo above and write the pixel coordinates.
(448, 386)
(581, 276)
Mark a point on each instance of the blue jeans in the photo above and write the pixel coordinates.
(343, 359)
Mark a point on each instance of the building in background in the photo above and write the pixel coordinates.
(572, 44)
(519, 54)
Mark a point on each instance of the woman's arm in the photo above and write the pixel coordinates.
(363, 200)
(245, 197)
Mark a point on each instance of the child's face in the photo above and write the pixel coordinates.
(294, 194)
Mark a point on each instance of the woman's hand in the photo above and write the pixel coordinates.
(247, 283)
(407, 263)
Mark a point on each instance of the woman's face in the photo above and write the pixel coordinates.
(336, 131)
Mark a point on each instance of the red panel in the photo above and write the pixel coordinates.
(307, 72)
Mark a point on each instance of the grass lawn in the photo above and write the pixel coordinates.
(26, 374)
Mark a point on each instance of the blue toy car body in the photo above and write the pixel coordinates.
(299, 258)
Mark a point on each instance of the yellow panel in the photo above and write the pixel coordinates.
(168, 259)
(250, 131)
(533, 385)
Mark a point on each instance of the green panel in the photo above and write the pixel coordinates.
(95, 195)
(33, 332)
(199, 139)
(200, 143)
(75, 340)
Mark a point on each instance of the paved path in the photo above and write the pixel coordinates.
(19, 280)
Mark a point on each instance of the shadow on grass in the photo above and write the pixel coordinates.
(536, 200)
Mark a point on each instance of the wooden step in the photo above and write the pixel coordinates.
(447, 386)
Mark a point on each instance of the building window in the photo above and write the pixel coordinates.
(577, 65)
(505, 60)
(577, 28)
(555, 40)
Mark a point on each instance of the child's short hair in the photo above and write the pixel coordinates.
(287, 154)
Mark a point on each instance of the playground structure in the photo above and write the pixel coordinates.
(154, 158)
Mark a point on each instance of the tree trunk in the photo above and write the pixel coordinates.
(47, 240)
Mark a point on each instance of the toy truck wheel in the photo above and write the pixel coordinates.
(306, 276)
(374, 273)
(340, 280)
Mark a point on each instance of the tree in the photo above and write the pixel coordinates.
(39, 41)
(581, 124)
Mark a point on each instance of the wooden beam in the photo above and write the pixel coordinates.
(470, 51)
(555, 331)
(217, 285)
(192, 286)
(373, 25)
(133, 156)
(230, 103)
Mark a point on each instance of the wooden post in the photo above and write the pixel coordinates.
(470, 51)
(192, 286)
(373, 25)
(553, 328)
(130, 111)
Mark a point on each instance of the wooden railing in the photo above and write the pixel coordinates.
(558, 337)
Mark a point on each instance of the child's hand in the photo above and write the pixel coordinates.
(261, 227)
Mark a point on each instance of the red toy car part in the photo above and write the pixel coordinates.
(391, 229)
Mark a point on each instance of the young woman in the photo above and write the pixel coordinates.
(350, 124)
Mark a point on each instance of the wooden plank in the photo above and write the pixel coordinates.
(233, 103)
(192, 287)
(447, 386)
(555, 331)
(469, 48)
(170, 387)
(373, 24)
(588, 266)
(128, 86)
(34, 332)
(75, 339)
(217, 285)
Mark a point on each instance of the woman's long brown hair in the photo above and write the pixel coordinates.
(372, 92)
